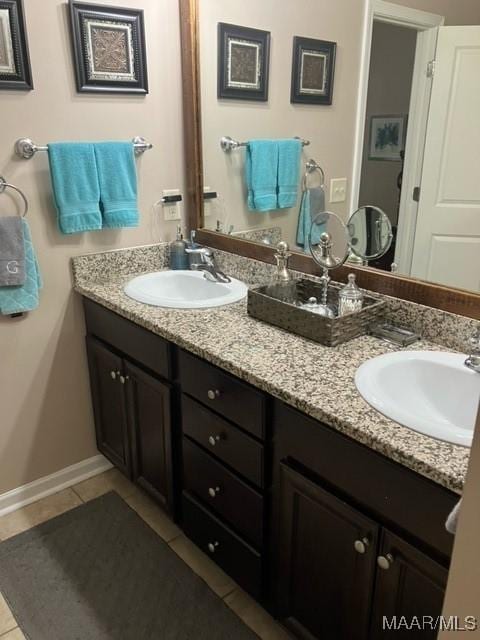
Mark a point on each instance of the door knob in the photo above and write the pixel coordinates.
(213, 440)
(113, 375)
(385, 562)
(123, 379)
(213, 393)
(212, 546)
(361, 546)
(212, 491)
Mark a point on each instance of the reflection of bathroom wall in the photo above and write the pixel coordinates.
(391, 68)
(455, 11)
(329, 128)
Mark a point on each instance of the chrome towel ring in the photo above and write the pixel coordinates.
(311, 166)
(4, 185)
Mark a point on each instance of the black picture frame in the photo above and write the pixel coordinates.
(117, 31)
(15, 70)
(233, 78)
(313, 68)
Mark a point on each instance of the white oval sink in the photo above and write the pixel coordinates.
(428, 391)
(184, 290)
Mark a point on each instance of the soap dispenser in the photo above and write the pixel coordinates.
(350, 297)
(178, 255)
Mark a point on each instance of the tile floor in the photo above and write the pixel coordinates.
(245, 607)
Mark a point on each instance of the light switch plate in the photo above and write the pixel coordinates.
(338, 189)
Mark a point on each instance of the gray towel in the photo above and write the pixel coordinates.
(12, 252)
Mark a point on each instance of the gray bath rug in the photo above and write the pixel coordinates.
(99, 572)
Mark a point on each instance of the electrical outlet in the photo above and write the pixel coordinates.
(171, 210)
(338, 189)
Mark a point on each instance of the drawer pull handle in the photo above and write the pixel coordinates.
(385, 562)
(212, 546)
(213, 394)
(213, 440)
(361, 546)
(212, 491)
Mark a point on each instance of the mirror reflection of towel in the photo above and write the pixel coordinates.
(313, 203)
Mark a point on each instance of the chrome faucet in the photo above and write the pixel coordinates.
(473, 360)
(207, 264)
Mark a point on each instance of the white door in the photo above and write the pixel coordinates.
(447, 238)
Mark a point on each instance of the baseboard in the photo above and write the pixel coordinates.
(53, 483)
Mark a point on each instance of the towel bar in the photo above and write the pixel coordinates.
(26, 148)
(228, 144)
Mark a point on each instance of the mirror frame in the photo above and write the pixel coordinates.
(458, 301)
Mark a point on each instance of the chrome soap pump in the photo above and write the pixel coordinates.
(178, 255)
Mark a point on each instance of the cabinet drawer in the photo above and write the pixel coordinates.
(223, 492)
(224, 393)
(139, 344)
(224, 440)
(236, 558)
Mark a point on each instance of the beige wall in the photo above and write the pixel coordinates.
(45, 411)
(329, 128)
(389, 86)
(456, 12)
(463, 590)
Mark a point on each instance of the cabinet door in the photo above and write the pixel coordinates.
(109, 404)
(409, 585)
(325, 562)
(150, 428)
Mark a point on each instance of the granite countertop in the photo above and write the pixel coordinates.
(315, 379)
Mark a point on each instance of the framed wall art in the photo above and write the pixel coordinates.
(243, 61)
(15, 72)
(108, 48)
(387, 137)
(313, 67)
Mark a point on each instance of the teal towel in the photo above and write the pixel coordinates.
(75, 186)
(261, 170)
(117, 177)
(312, 204)
(289, 152)
(25, 297)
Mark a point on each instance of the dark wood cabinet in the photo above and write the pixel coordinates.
(409, 584)
(337, 540)
(132, 420)
(109, 407)
(326, 562)
(148, 403)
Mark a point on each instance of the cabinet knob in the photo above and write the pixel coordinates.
(361, 546)
(385, 562)
(212, 491)
(213, 440)
(213, 393)
(123, 379)
(212, 546)
(113, 375)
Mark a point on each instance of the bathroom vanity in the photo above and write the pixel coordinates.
(330, 522)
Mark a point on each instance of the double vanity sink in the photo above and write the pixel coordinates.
(433, 393)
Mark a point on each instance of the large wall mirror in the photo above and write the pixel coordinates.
(342, 106)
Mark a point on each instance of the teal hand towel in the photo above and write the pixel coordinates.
(289, 152)
(73, 171)
(312, 204)
(25, 297)
(117, 177)
(261, 168)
